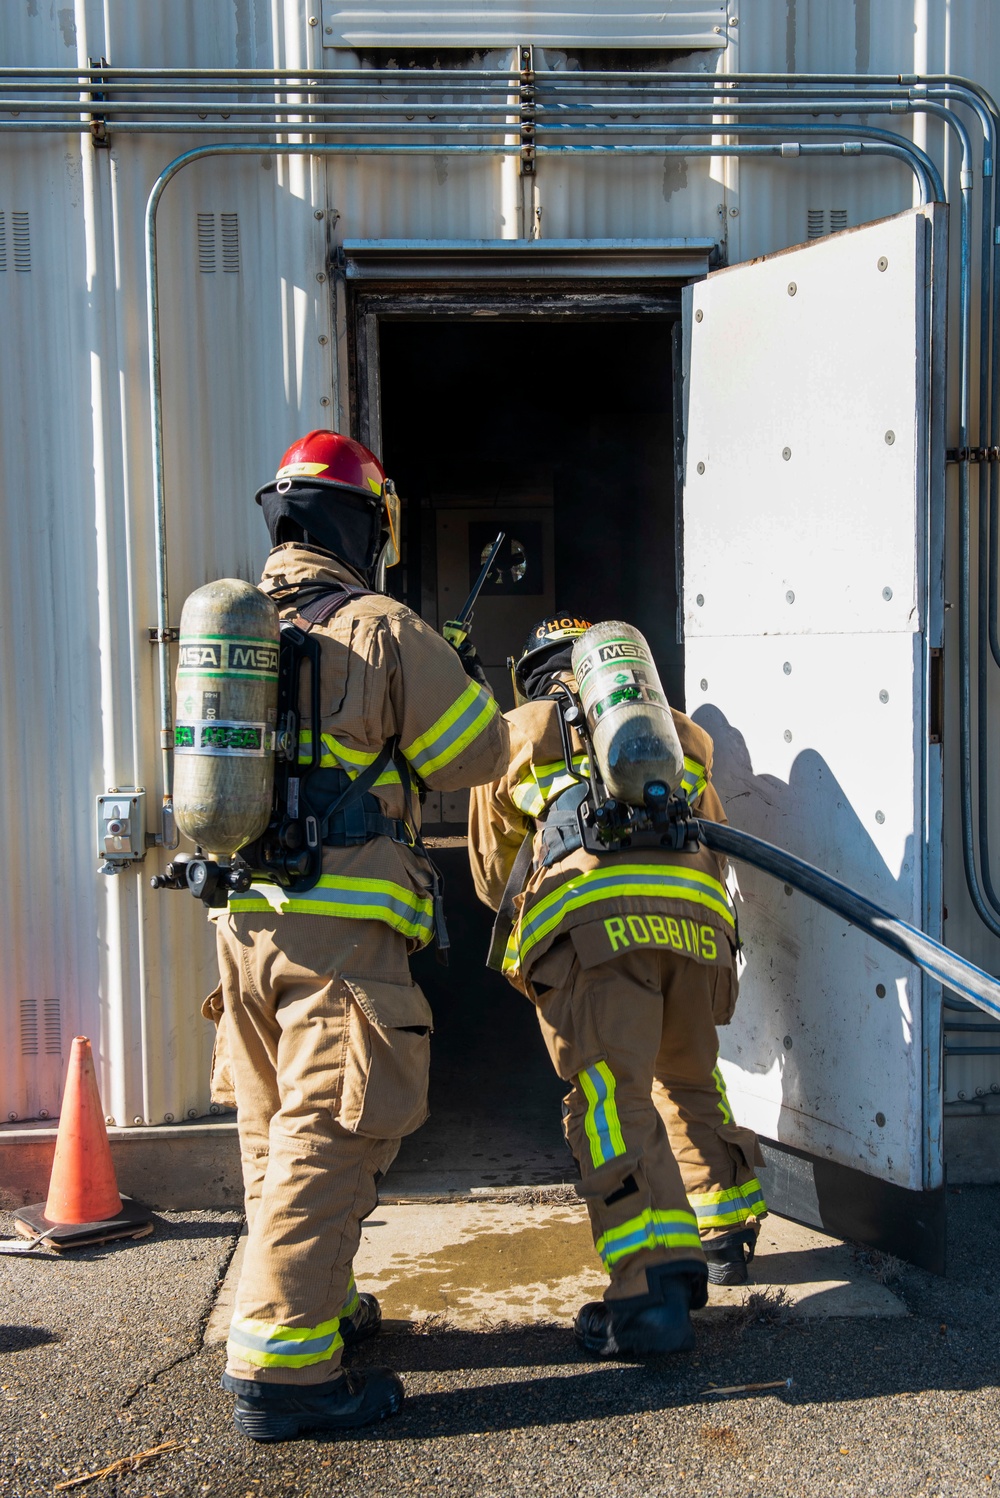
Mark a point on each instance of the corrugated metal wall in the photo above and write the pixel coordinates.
(250, 355)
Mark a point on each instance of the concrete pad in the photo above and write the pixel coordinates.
(476, 1264)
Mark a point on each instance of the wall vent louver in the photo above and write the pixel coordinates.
(52, 1025)
(821, 221)
(208, 237)
(230, 242)
(206, 243)
(815, 223)
(29, 1028)
(21, 235)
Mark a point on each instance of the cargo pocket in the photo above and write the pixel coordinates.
(384, 1095)
(552, 970)
(221, 1086)
(743, 1149)
(724, 991)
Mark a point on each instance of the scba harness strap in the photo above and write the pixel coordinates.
(345, 812)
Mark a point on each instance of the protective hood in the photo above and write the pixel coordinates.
(345, 522)
(544, 667)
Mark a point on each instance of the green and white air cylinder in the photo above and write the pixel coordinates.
(227, 707)
(628, 716)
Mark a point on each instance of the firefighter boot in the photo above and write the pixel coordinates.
(363, 1322)
(729, 1256)
(280, 1412)
(645, 1324)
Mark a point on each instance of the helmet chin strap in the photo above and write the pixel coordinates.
(380, 569)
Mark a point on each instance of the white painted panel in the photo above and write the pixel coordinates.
(805, 659)
(809, 759)
(498, 23)
(802, 438)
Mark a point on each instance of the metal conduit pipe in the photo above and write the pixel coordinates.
(786, 150)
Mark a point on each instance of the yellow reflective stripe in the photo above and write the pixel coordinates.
(694, 779)
(353, 1300)
(649, 1230)
(350, 897)
(720, 1209)
(601, 1121)
(617, 882)
(444, 741)
(337, 756)
(539, 784)
(267, 1345)
(722, 1101)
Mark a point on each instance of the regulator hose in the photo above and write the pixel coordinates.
(947, 967)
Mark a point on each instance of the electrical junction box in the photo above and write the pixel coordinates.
(121, 827)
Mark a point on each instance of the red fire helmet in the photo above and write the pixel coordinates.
(330, 458)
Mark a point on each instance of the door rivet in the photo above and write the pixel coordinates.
(787, 1042)
(880, 817)
(788, 735)
(787, 888)
(703, 684)
(792, 288)
(887, 594)
(880, 990)
(701, 468)
(700, 599)
(787, 668)
(786, 453)
(699, 315)
(880, 1120)
(883, 263)
(883, 696)
(890, 438)
(789, 596)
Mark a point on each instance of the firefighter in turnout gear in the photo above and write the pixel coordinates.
(629, 957)
(327, 1034)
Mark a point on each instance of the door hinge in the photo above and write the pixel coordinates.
(973, 454)
(163, 636)
(526, 110)
(935, 707)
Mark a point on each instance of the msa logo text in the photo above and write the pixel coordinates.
(253, 657)
(201, 655)
(621, 650)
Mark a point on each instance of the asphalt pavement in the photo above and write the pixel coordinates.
(102, 1355)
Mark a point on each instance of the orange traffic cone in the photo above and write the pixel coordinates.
(83, 1204)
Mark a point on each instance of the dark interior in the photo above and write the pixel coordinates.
(562, 433)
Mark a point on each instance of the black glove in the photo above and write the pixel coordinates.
(458, 638)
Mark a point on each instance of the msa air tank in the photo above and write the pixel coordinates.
(627, 713)
(227, 704)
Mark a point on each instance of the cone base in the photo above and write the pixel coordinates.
(133, 1221)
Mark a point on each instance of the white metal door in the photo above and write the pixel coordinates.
(812, 603)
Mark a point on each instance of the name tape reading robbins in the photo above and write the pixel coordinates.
(212, 736)
(215, 655)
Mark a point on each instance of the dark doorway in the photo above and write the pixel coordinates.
(561, 433)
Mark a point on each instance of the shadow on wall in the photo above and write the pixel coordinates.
(827, 1041)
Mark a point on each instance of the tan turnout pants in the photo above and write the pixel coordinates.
(663, 1166)
(328, 1038)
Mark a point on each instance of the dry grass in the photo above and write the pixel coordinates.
(431, 1324)
(770, 1307)
(884, 1269)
